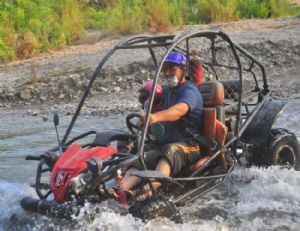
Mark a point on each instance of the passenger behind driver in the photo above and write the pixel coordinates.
(144, 98)
(196, 69)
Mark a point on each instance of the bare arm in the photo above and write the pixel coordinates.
(172, 114)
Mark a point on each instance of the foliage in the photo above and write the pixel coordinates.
(6, 43)
(252, 9)
(206, 11)
(126, 16)
(277, 8)
(158, 13)
(29, 27)
(32, 26)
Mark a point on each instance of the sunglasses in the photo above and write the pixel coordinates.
(169, 69)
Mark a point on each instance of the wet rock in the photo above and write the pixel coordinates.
(45, 118)
(61, 96)
(103, 89)
(34, 113)
(134, 67)
(67, 84)
(10, 90)
(26, 94)
(43, 98)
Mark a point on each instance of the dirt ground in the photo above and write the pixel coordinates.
(274, 42)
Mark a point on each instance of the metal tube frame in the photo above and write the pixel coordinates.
(170, 42)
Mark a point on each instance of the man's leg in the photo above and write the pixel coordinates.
(129, 182)
(172, 162)
(164, 167)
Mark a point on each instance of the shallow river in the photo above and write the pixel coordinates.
(252, 199)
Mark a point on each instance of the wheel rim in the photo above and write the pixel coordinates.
(286, 156)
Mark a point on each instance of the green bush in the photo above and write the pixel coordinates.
(7, 41)
(35, 26)
(28, 27)
(206, 11)
(95, 19)
(252, 9)
(278, 8)
(126, 16)
(294, 11)
(71, 20)
(179, 12)
(158, 14)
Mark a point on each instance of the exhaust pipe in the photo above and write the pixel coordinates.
(50, 208)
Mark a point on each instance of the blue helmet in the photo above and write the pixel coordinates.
(177, 58)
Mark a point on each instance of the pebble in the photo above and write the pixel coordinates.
(61, 96)
(103, 89)
(45, 118)
(34, 113)
(117, 89)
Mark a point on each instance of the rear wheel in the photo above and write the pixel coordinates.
(284, 150)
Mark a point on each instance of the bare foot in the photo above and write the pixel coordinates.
(111, 192)
(144, 195)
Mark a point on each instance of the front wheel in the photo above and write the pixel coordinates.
(153, 208)
(284, 150)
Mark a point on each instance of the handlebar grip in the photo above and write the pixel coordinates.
(32, 158)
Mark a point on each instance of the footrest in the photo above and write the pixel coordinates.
(156, 175)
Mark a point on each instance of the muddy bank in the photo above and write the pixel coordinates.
(57, 80)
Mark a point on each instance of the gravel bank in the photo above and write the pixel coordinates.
(56, 80)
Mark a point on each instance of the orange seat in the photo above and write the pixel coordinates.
(213, 129)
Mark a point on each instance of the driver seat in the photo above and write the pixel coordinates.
(212, 128)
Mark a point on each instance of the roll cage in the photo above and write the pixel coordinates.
(243, 77)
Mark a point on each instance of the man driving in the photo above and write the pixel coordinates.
(181, 117)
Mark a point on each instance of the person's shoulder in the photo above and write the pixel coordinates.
(191, 86)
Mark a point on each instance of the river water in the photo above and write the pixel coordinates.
(251, 199)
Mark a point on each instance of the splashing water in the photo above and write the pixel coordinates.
(251, 199)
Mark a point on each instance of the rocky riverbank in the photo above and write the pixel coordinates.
(57, 80)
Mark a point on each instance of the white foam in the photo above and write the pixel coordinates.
(264, 197)
(10, 197)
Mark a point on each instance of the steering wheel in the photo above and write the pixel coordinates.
(133, 127)
(156, 131)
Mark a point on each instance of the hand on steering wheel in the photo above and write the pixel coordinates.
(156, 131)
(133, 127)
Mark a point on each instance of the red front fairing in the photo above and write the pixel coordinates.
(71, 163)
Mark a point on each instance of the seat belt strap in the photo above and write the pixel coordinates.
(202, 140)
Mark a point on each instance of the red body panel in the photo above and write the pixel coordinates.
(71, 163)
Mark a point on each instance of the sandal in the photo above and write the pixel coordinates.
(114, 193)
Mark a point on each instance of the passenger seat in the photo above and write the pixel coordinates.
(212, 129)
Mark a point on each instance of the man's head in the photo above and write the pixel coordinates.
(174, 69)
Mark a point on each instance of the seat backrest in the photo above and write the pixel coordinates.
(212, 93)
(213, 96)
(213, 129)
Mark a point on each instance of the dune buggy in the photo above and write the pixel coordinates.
(238, 119)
